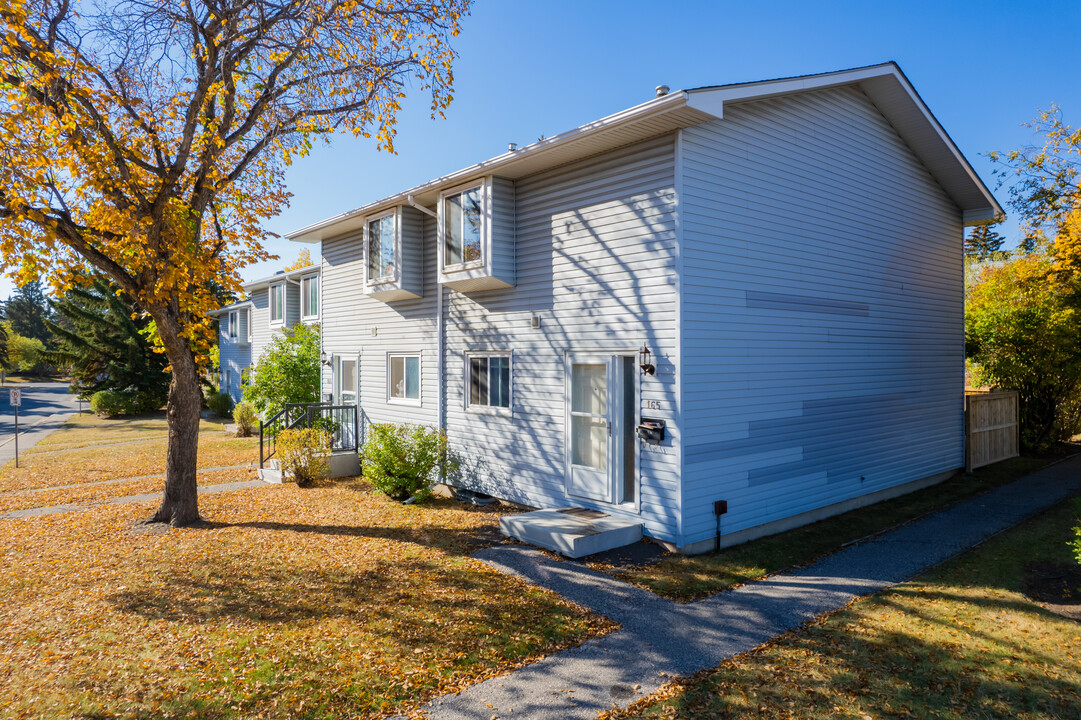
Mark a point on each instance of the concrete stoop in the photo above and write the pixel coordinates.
(344, 463)
(272, 473)
(572, 532)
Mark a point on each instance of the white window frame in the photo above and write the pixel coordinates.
(391, 398)
(305, 297)
(485, 226)
(339, 375)
(467, 376)
(232, 327)
(276, 287)
(385, 279)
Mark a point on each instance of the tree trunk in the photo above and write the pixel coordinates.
(180, 505)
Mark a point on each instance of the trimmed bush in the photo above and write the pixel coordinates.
(404, 461)
(221, 404)
(303, 454)
(245, 418)
(109, 403)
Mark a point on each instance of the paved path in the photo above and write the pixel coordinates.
(45, 407)
(660, 638)
(144, 497)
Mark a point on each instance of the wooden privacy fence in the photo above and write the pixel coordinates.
(992, 431)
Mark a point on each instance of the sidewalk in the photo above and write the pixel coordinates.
(660, 638)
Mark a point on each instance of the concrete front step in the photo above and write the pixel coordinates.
(572, 532)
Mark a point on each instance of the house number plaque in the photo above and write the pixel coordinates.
(653, 404)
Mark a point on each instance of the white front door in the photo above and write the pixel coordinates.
(597, 432)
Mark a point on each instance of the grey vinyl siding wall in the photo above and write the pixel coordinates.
(292, 302)
(503, 230)
(414, 246)
(232, 356)
(822, 312)
(260, 322)
(349, 316)
(595, 248)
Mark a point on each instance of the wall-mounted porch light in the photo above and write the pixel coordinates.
(324, 359)
(645, 361)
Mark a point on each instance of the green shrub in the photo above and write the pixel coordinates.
(245, 418)
(221, 404)
(109, 403)
(404, 461)
(303, 454)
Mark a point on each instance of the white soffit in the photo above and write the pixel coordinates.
(885, 85)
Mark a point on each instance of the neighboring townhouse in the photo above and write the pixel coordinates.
(245, 328)
(718, 314)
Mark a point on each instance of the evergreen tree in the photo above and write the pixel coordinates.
(984, 243)
(4, 363)
(28, 310)
(103, 337)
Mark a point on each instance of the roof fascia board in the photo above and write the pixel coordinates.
(289, 275)
(657, 106)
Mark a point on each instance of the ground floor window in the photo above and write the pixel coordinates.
(403, 373)
(489, 381)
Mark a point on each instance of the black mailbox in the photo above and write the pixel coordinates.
(651, 430)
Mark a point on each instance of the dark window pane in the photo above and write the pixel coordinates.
(412, 378)
(478, 381)
(471, 229)
(452, 228)
(499, 389)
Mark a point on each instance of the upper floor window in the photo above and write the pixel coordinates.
(277, 303)
(489, 381)
(463, 226)
(381, 247)
(234, 324)
(309, 296)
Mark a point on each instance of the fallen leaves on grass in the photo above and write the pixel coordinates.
(105, 492)
(960, 642)
(92, 464)
(290, 603)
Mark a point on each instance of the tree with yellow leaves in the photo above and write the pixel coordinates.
(146, 140)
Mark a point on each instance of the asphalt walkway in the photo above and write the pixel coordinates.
(660, 638)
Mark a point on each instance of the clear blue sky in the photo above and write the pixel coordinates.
(528, 69)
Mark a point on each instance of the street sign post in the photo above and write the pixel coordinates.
(15, 396)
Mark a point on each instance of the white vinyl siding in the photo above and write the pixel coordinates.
(822, 312)
(595, 244)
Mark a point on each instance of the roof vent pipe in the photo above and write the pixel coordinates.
(662, 90)
(511, 147)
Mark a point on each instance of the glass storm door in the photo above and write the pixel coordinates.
(596, 437)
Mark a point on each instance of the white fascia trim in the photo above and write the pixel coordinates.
(314, 269)
(230, 308)
(712, 101)
(656, 106)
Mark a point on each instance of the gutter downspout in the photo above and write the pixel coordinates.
(430, 213)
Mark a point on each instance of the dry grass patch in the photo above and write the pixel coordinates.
(94, 464)
(961, 642)
(105, 492)
(687, 578)
(87, 429)
(323, 603)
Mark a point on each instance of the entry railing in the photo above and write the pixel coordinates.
(341, 421)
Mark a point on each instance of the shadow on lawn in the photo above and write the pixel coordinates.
(961, 673)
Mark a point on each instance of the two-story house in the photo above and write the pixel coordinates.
(245, 328)
(718, 314)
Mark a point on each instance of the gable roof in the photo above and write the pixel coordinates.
(884, 84)
(277, 277)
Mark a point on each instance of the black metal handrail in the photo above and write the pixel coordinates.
(342, 421)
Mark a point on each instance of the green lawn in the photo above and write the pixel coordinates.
(687, 578)
(963, 641)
